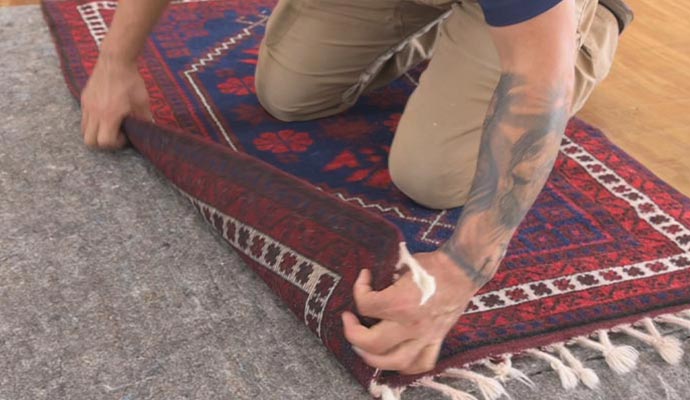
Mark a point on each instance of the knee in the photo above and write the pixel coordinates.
(279, 99)
(429, 183)
(289, 96)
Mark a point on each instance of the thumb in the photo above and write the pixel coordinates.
(141, 106)
(142, 111)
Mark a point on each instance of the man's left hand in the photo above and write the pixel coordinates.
(409, 336)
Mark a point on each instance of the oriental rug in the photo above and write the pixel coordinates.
(307, 205)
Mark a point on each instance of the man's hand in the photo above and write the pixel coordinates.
(409, 336)
(114, 91)
(522, 134)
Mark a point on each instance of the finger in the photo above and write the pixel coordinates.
(121, 140)
(362, 285)
(426, 361)
(397, 302)
(84, 122)
(91, 132)
(379, 339)
(109, 136)
(401, 358)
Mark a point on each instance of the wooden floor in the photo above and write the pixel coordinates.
(17, 2)
(644, 105)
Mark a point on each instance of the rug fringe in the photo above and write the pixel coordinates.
(569, 379)
(621, 359)
(490, 388)
(505, 372)
(451, 392)
(385, 392)
(586, 375)
(674, 320)
(668, 347)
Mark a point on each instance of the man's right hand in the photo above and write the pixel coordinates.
(114, 91)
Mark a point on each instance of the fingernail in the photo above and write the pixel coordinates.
(357, 350)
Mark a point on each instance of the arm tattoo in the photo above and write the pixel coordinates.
(519, 145)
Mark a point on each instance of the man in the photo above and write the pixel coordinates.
(482, 129)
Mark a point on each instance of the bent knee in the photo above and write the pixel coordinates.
(435, 188)
(291, 96)
(282, 101)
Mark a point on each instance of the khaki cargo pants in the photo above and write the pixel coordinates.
(319, 56)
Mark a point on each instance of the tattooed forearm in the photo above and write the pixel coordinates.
(480, 273)
(519, 145)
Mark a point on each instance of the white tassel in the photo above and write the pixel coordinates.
(672, 319)
(490, 388)
(586, 375)
(504, 372)
(384, 392)
(451, 392)
(566, 374)
(621, 359)
(389, 394)
(425, 282)
(668, 347)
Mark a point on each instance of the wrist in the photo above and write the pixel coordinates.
(115, 53)
(459, 260)
(478, 259)
(114, 66)
(450, 274)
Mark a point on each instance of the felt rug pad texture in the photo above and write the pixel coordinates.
(607, 242)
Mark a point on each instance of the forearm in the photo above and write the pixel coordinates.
(132, 23)
(520, 140)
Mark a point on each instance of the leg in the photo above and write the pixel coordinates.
(318, 57)
(434, 153)
(595, 58)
